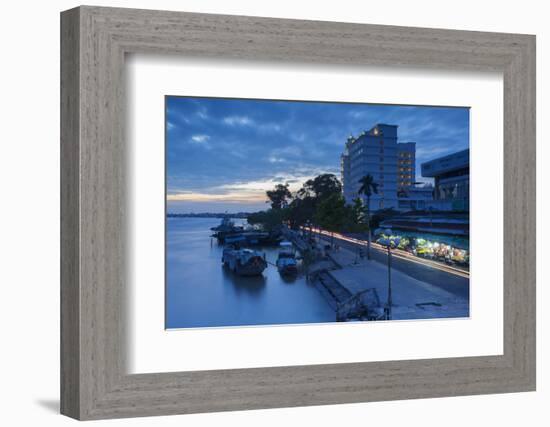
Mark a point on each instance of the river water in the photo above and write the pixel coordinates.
(201, 293)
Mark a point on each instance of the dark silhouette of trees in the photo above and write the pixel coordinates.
(321, 187)
(279, 196)
(332, 214)
(319, 202)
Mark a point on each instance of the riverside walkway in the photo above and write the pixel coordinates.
(340, 275)
(412, 298)
(450, 280)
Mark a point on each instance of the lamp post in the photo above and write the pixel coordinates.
(388, 242)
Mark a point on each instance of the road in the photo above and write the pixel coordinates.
(450, 279)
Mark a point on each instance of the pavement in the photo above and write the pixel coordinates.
(411, 298)
(452, 283)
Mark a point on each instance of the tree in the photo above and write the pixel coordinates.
(321, 187)
(279, 196)
(270, 219)
(306, 200)
(301, 211)
(368, 187)
(359, 215)
(331, 214)
(300, 208)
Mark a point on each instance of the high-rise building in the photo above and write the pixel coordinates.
(391, 164)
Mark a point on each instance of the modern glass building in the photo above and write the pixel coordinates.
(451, 176)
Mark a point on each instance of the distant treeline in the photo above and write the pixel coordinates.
(239, 215)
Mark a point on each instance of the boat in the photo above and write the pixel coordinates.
(244, 262)
(226, 228)
(225, 224)
(286, 259)
(247, 237)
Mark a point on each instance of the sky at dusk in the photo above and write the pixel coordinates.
(223, 154)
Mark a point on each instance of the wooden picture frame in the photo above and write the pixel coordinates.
(94, 382)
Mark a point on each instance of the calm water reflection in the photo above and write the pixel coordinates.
(201, 293)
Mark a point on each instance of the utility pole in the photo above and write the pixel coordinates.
(389, 283)
(388, 242)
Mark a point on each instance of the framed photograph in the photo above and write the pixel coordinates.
(291, 227)
(262, 213)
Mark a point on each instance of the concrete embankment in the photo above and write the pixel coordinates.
(340, 275)
(446, 278)
(411, 298)
(317, 265)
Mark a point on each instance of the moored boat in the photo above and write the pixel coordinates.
(244, 262)
(286, 259)
(226, 228)
(247, 237)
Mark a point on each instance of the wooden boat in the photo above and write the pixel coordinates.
(247, 237)
(286, 259)
(244, 262)
(226, 228)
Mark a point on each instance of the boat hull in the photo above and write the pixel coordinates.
(244, 265)
(288, 270)
(286, 260)
(250, 270)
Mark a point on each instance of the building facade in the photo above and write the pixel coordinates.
(378, 153)
(415, 198)
(451, 176)
(406, 165)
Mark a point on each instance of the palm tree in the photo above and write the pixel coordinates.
(368, 187)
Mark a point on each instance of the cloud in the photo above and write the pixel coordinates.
(358, 114)
(289, 150)
(202, 113)
(200, 138)
(432, 152)
(233, 197)
(252, 191)
(273, 159)
(238, 121)
(270, 127)
(257, 141)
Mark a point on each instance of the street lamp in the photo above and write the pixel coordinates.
(389, 242)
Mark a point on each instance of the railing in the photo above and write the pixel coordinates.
(364, 305)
